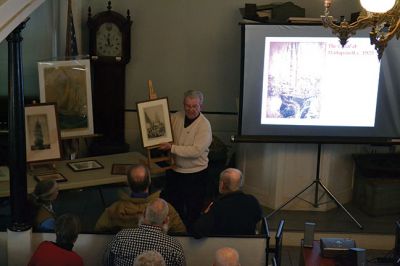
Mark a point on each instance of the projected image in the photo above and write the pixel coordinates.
(294, 81)
(314, 81)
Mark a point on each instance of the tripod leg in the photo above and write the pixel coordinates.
(340, 205)
(291, 199)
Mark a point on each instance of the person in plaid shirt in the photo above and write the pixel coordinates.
(150, 235)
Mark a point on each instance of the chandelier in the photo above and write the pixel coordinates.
(383, 16)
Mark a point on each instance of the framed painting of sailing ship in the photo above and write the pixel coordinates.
(67, 83)
(154, 122)
(42, 134)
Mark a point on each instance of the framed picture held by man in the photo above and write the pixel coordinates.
(154, 122)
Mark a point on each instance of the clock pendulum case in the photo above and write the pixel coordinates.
(110, 52)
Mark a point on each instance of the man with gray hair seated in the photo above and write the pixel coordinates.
(149, 258)
(226, 257)
(150, 235)
(233, 213)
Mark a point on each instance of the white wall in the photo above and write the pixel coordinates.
(36, 46)
(187, 44)
(181, 45)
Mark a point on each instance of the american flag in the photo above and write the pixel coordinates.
(71, 47)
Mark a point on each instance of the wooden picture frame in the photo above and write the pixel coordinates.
(68, 83)
(120, 168)
(154, 122)
(42, 134)
(58, 177)
(85, 165)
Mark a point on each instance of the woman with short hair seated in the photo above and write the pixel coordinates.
(41, 201)
(60, 253)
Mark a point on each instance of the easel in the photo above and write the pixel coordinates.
(152, 160)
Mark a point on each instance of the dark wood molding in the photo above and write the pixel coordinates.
(16, 136)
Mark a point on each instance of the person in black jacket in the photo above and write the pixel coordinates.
(233, 213)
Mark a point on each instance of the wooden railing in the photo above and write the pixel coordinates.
(13, 12)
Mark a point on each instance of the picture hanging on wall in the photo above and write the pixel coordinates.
(42, 133)
(154, 122)
(68, 84)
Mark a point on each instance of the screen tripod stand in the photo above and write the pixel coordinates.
(317, 183)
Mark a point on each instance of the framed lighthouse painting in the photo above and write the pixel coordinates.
(42, 133)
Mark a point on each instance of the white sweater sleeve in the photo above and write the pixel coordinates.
(202, 140)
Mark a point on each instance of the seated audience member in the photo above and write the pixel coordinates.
(60, 253)
(126, 212)
(42, 213)
(150, 235)
(233, 213)
(226, 257)
(149, 258)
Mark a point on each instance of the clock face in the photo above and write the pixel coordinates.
(109, 40)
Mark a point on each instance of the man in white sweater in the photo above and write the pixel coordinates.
(186, 184)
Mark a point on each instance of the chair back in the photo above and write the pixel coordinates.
(265, 231)
(273, 262)
(278, 242)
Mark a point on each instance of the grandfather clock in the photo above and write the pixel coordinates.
(110, 52)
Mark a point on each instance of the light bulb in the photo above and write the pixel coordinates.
(377, 6)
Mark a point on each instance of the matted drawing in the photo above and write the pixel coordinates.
(85, 165)
(68, 84)
(154, 122)
(42, 133)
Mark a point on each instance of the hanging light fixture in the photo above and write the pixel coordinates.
(383, 16)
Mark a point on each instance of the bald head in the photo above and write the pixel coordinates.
(139, 178)
(149, 258)
(230, 180)
(157, 212)
(226, 257)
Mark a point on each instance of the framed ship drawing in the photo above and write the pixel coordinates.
(67, 83)
(154, 122)
(42, 133)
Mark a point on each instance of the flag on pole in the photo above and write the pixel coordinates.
(71, 47)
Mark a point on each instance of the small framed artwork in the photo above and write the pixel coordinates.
(51, 176)
(85, 165)
(68, 84)
(42, 168)
(42, 133)
(154, 122)
(120, 168)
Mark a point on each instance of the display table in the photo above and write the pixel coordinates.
(87, 178)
